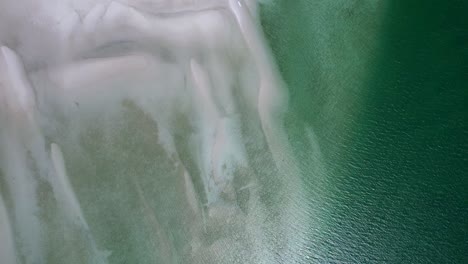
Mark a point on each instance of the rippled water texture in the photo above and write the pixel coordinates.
(384, 85)
(165, 131)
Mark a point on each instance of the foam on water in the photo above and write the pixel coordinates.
(148, 131)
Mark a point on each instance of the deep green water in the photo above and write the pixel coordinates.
(380, 89)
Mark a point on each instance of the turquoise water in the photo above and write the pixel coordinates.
(383, 85)
(162, 132)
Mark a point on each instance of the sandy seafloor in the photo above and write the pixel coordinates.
(209, 131)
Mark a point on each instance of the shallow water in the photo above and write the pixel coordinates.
(134, 132)
(167, 132)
